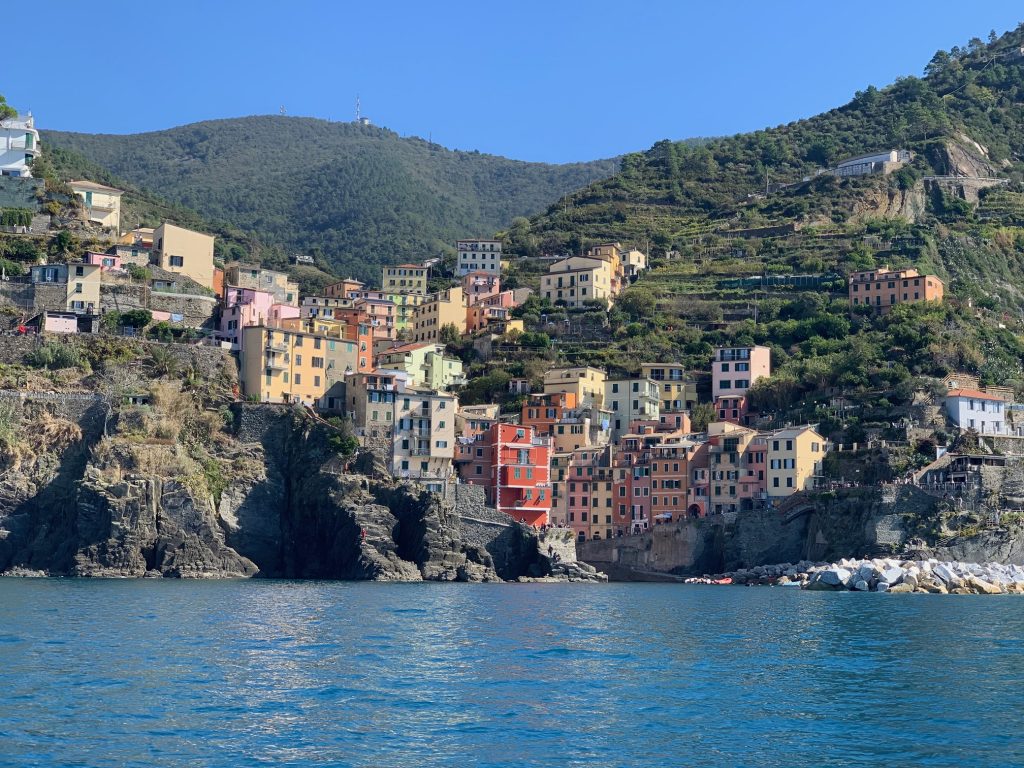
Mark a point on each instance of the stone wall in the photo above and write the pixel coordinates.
(85, 409)
(196, 311)
(19, 192)
(123, 297)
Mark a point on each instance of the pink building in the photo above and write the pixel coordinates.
(380, 314)
(243, 307)
(103, 260)
(735, 369)
(477, 286)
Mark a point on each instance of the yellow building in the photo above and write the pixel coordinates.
(437, 311)
(578, 279)
(181, 250)
(297, 361)
(587, 383)
(72, 287)
(102, 203)
(405, 278)
(794, 460)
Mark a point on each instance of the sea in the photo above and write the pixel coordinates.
(149, 673)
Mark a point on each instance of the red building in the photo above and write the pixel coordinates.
(512, 463)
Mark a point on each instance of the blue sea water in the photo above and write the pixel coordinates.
(263, 673)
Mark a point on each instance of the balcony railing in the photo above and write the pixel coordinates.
(277, 365)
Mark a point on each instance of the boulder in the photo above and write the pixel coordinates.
(881, 587)
(909, 578)
(982, 587)
(860, 585)
(891, 574)
(835, 576)
(943, 571)
(901, 589)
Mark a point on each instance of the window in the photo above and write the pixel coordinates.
(298, 378)
(79, 271)
(177, 261)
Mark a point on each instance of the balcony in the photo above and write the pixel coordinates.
(277, 364)
(276, 346)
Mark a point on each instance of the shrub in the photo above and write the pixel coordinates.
(56, 356)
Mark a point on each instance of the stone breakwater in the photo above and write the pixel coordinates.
(884, 575)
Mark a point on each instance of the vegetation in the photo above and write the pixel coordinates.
(355, 197)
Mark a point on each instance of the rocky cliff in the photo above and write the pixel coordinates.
(156, 479)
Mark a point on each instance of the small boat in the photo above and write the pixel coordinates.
(726, 580)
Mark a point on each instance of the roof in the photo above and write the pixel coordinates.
(410, 266)
(408, 347)
(793, 431)
(83, 184)
(975, 394)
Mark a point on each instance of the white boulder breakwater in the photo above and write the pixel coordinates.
(885, 575)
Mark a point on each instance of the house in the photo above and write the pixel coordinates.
(478, 285)
(426, 365)
(284, 289)
(437, 311)
(19, 145)
(243, 307)
(633, 263)
(185, 252)
(66, 287)
(585, 382)
(473, 420)
(736, 473)
(105, 261)
(102, 203)
(973, 409)
(794, 460)
(735, 369)
(884, 288)
(575, 280)
(405, 278)
(342, 288)
(478, 256)
(631, 401)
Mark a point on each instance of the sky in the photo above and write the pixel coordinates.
(545, 81)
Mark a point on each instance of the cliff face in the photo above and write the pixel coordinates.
(129, 504)
(816, 527)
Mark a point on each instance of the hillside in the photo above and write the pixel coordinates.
(741, 261)
(360, 195)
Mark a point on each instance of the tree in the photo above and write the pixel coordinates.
(6, 110)
(449, 335)
(638, 303)
(701, 415)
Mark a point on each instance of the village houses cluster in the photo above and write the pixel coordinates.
(605, 456)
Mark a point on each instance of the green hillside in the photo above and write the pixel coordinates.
(752, 242)
(359, 195)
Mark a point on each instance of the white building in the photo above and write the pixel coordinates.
(877, 162)
(478, 256)
(19, 145)
(977, 410)
(631, 400)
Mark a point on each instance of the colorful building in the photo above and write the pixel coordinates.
(283, 288)
(735, 369)
(102, 203)
(794, 458)
(478, 256)
(184, 252)
(883, 288)
(437, 311)
(405, 278)
(587, 383)
(424, 438)
(426, 364)
(631, 401)
(242, 307)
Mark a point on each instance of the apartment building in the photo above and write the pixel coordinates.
(19, 145)
(343, 288)
(184, 252)
(370, 403)
(438, 310)
(477, 286)
(884, 288)
(284, 289)
(405, 278)
(426, 364)
(478, 256)
(631, 401)
(102, 203)
(735, 369)
(578, 279)
(589, 490)
(424, 438)
(983, 412)
(678, 393)
(735, 469)
(512, 463)
(794, 460)
(242, 307)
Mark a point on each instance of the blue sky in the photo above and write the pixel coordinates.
(552, 81)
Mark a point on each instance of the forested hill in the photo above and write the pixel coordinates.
(362, 195)
(677, 191)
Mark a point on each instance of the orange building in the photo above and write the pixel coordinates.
(542, 412)
(883, 288)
